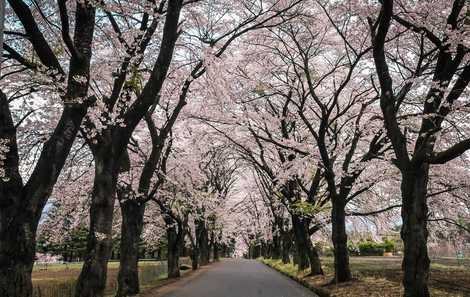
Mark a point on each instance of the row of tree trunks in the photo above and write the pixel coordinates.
(305, 254)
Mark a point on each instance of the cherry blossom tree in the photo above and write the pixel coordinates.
(436, 82)
(334, 102)
(113, 119)
(23, 201)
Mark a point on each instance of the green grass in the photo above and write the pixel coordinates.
(59, 280)
(78, 265)
(381, 277)
(289, 269)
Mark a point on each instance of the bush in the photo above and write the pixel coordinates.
(353, 249)
(371, 248)
(389, 246)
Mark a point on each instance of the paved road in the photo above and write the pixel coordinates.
(241, 278)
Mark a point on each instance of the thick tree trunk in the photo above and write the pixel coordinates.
(306, 252)
(175, 242)
(295, 256)
(17, 250)
(195, 258)
(92, 279)
(215, 248)
(203, 243)
(21, 205)
(340, 241)
(276, 247)
(414, 232)
(286, 247)
(131, 229)
(314, 257)
(300, 245)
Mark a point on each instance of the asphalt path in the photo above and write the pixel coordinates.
(241, 278)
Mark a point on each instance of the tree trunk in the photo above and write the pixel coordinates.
(203, 242)
(286, 246)
(340, 241)
(315, 263)
(131, 229)
(17, 250)
(276, 247)
(414, 232)
(21, 205)
(175, 237)
(300, 244)
(306, 252)
(92, 279)
(215, 248)
(195, 258)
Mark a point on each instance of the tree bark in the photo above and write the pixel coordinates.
(306, 252)
(340, 241)
(15, 270)
(195, 258)
(216, 252)
(17, 232)
(276, 247)
(314, 257)
(92, 279)
(286, 246)
(21, 205)
(175, 239)
(414, 232)
(300, 244)
(131, 229)
(203, 242)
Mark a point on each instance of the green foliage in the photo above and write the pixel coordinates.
(306, 208)
(388, 245)
(135, 81)
(353, 249)
(371, 248)
(73, 245)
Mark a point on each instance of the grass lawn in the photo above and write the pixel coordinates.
(59, 279)
(381, 277)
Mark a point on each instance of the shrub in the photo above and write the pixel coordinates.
(353, 249)
(371, 248)
(389, 246)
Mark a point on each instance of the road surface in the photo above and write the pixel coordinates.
(241, 278)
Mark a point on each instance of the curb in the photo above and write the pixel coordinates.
(319, 291)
